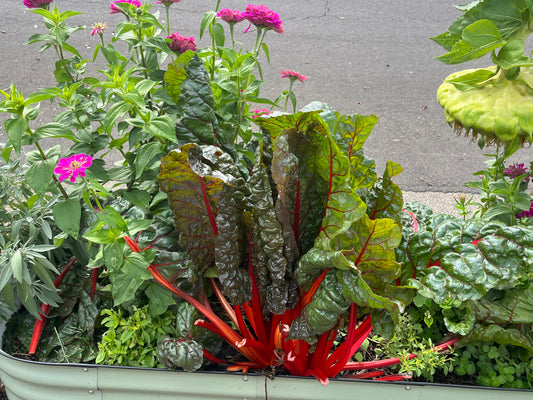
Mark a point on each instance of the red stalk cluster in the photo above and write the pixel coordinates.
(45, 308)
(265, 342)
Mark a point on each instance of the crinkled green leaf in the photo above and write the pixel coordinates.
(298, 141)
(193, 179)
(231, 248)
(186, 354)
(364, 258)
(176, 74)
(516, 335)
(198, 122)
(271, 234)
(350, 132)
(322, 313)
(385, 198)
(514, 307)
(462, 261)
(186, 316)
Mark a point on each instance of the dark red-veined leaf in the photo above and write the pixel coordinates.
(192, 179)
(270, 232)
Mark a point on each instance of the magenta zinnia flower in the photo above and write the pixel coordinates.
(516, 170)
(115, 9)
(181, 44)
(264, 17)
(231, 16)
(293, 75)
(37, 3)
(260, 112)
(73, 167)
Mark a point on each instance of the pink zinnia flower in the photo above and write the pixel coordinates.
(115, 9)
(516, 170)
(98, 28)
(73, 167)
(231, 16)
(293, 75)
(263, 16)
(181, 44)
(37, 3)
(260, 112)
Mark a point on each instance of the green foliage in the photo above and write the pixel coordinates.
(410, 337)
(132, 340)
(495, 365)
(503, 197)
(300, 197)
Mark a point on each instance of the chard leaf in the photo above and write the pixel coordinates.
(367, 252)
(462, 261)
(350, 132)
(516, 335)
(186, 354)
(297, 142)
(186, 316)
(515, 307)
(230, 247)
(322, 313)
(385, 198)
(271, 234)
(193, 94)
(193, 184)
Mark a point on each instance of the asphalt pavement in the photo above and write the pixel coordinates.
(361, 56)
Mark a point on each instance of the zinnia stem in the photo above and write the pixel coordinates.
(167, 9)
(289, 92)
(59, 185)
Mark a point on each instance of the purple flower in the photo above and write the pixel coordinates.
(116, 10)
(231, 16)
(293, 75)
(98, 28)
(264, 17)
(73, 166)
(181, 44)
(37, 3)
(516, 170)
(526, 213)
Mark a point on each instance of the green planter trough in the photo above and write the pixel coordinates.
(29, 380)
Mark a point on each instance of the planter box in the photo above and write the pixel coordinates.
(28, 380)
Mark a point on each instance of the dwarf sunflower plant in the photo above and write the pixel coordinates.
(493, 103)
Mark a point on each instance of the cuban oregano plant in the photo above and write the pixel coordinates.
(495, 103)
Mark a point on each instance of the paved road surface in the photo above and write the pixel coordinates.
(362, 56)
